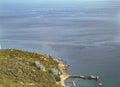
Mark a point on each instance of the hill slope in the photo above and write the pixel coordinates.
(17, 69)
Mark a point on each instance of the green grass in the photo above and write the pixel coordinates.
(17, 69)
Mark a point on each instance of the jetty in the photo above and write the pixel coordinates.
(91, 77)
(67, 76)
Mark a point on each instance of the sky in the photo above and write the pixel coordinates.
(45, 1)
(67, 2)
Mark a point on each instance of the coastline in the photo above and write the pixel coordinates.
(64, 76)
(62, 67)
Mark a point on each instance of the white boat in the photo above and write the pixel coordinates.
(100, 84)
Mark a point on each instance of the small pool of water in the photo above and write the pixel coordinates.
(81, 82)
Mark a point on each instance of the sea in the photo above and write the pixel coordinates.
(84, 35)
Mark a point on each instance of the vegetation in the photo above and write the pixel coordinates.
(17, 69)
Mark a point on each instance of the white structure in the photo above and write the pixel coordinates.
(0, 46)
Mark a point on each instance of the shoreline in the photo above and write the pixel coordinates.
(64, 76)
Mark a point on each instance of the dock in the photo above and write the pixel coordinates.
(91, 77)
(67, 76)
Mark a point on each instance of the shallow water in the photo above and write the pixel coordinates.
(86, 37)
(82, 83)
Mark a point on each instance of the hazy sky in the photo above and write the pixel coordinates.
(41, 1)
(74, 2)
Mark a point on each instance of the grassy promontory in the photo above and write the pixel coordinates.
(18, 69)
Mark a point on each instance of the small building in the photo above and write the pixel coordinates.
(39, 65)
(54, 71)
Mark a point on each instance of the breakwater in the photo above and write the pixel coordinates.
(91, 77)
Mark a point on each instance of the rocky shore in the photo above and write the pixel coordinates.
(63, 76)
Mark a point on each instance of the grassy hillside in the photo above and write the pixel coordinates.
(17, 69)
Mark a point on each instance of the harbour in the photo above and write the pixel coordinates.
(64, 75)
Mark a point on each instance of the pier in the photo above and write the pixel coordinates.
(91, 77)
(67, 76)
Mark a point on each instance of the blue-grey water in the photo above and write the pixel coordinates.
(87, 36)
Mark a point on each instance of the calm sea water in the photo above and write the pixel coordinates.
(86, 36)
